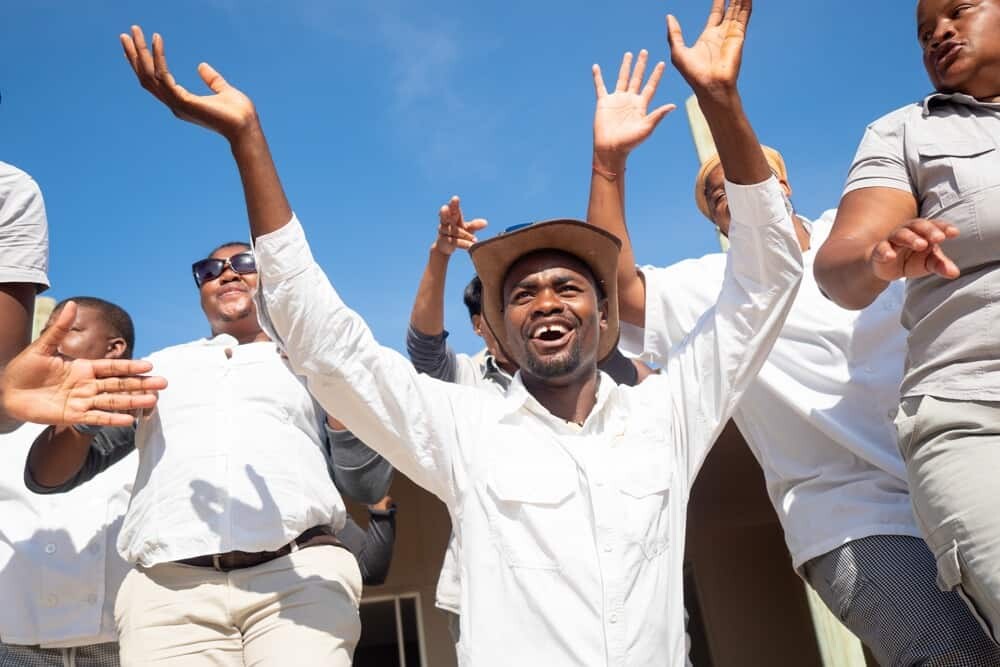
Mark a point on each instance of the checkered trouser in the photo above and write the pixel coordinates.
(884, 590)
(95, 655)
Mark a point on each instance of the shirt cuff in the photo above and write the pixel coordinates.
(282, 253)
(757, 205)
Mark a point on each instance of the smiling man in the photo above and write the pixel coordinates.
(922, 202)
(232, 487)
(568, 494)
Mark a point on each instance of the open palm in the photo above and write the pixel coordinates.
(621, 119)
(714, 60)
(41, 386)
(227, 111)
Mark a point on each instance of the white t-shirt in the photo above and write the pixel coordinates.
(819, 416)
(24, 232)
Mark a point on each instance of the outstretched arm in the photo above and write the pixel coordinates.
(621, 123)
(710, 370)
(425, 341)
(372, 390)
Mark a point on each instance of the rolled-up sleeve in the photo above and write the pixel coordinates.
(24, 236)
(410, 419)
(711, 368)
(880, 161)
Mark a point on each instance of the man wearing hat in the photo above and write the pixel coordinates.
(568, 493)
(817, 417)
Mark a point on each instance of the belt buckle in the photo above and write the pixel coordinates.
(217, 562)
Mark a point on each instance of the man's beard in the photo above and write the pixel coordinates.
(552, 367)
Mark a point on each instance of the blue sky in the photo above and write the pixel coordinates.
(378, 112)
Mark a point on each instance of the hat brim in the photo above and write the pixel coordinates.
(593, 246)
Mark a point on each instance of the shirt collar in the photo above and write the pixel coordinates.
(955, 98)
(518, 397)
(493, 372)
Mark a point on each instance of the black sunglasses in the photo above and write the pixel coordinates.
(211, 268)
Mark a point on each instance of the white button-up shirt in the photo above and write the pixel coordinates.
(233, 458)
(59, 571)
(819, 415)
(572, 537)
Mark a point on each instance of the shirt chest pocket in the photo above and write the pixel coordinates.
(645, 489)
(952, 169)
(527, 509)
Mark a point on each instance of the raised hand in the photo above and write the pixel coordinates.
(453, 229)
(621, 120)
(914, 250)
(41, 386)
(712, 65)
(227, 111)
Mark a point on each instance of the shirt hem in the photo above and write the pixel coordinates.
(800, 559)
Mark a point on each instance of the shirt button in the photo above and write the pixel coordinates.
(50, 548)
(608, 548)
(613, 618)
(92, 599)
(599, 483)
(51, 600)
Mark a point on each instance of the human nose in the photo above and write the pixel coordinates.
(944, 30)
(547, 302)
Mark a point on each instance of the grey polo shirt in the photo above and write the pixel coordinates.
(24, 234)
(944, 152)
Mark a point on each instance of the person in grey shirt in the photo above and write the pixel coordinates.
(372, 547)
(922, 202)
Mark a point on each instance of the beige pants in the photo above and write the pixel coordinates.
(952, 454)
(301, 609)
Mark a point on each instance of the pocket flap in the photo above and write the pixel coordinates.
(548, 482)
(652, 477)
(949, 570)
(955, 147)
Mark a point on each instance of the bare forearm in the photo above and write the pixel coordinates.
(606, 209)
(739, 150)
(267, 207)
(17, 304)
(427, 315)
(843, 273)
(58, 455)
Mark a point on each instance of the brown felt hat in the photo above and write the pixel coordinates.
(594, 247)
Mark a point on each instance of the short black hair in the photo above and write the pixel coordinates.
(116, 317)
(242, 244)
(473, 297)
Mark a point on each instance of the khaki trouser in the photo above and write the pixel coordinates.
(952, 454)
(301, 609)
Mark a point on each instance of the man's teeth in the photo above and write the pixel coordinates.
(557, 329)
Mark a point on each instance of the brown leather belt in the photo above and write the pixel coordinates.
(238, 560)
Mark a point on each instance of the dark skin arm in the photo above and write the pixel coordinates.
(57, 455)
(621, 123)
(17, 307)
(877, 239)
(454, 232)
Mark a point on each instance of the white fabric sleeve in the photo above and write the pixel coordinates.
(709, 371)
(410, 419)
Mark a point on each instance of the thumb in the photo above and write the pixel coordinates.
(476, 225)
(48, 343)
(659, 114)
(212, 78)
(675, 38)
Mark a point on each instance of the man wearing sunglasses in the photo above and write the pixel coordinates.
(236, 504)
